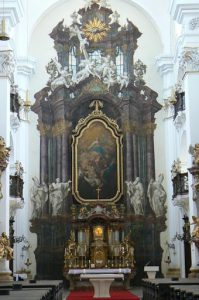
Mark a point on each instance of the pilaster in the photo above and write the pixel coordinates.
(165, 66)
(190, 63)
(6, 74)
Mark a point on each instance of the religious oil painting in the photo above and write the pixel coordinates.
(98, 163)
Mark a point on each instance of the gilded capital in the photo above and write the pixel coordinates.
(148, 128)
(61, 127)
(45, 129)
(137, 128)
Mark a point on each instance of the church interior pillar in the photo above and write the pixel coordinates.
(6, 73)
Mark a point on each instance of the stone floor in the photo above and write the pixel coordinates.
(135, 290)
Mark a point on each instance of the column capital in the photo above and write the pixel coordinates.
(189, 61)
(7, 64)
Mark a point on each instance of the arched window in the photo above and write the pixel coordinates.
(95, 55)
(119, 61)
(73, 60)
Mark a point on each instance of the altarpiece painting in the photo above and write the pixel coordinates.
(97, 159)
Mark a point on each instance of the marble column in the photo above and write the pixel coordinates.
(64, 157)
(44, 158)
(135, 155)
(59, 157)
(128, 156)
(150, 157)
(6, 74)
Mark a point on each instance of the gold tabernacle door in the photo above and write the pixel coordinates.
(97, 164)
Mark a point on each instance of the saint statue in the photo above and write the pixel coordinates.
(157, 196)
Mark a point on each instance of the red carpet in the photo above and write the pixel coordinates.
(115, 295)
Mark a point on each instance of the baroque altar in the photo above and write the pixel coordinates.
(97, 203)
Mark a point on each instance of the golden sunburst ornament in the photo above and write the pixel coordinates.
(95, 30)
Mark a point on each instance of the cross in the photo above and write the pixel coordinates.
(98, 191)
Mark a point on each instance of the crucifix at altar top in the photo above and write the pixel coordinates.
(98, 192)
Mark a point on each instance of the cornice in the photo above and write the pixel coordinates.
(13, 11)
(180, 8)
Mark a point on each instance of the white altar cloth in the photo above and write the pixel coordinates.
(99, 271)
(101, 283)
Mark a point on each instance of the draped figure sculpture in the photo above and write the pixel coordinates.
(135, 192)
(58, 191)
(39, 197)
(157, 196)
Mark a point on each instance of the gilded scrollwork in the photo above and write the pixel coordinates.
(195, 232)
(6, 251)
(4, 156)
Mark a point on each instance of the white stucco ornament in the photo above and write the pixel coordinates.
(189, 61)
(7, 63)
(194, 23)
(101, 3)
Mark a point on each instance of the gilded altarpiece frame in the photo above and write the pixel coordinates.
(97, 158)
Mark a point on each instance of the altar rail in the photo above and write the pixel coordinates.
(160, 288)
(22, 290)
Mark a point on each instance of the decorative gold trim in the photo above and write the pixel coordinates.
(95, 30)
(97, 117)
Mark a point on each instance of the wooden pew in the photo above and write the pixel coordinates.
(53, 288)
(188, 292)
(159, 288)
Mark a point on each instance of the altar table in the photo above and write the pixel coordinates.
(74, 275)
(101, 283)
